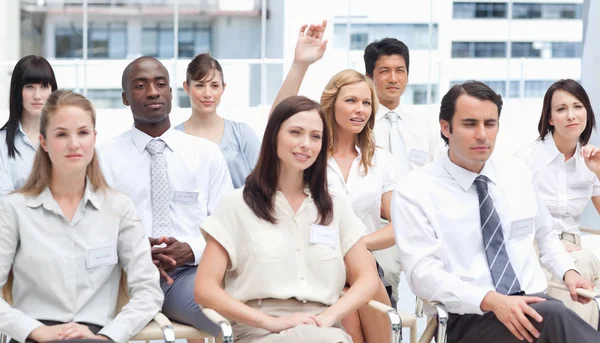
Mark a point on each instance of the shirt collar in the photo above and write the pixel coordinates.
(21, 130)
(384, 110)
(47, 200)
(141, 139)
(465, 178)
(551, 152)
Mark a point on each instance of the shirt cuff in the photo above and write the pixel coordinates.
(24, 327)
(116, 331)
(197, 244)
(560, 269)
(471, 299)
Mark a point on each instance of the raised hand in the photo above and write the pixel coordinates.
(310, 46)
(591, 157)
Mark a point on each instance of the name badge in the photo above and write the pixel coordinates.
(324, 235)
(185, 197)
(417, 156)
(521, 227)
(101, 257)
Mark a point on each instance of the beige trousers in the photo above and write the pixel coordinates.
(588, 265)
(299, 334)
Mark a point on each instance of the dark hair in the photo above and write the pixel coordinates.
(261, 184)
(475, 89)
(29, 70)
(202, 66)
(384, 47)
(575, 89)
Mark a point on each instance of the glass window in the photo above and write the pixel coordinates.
(478, 49)
(566, 50)
(416, 94)
(524, 49)
(106, 98)
(184, 98)
(105, 40)
(464, 10)
(415, 36)
(536, 88)
(515, 89)
(546, 11)
(359, 41)
(194, 38)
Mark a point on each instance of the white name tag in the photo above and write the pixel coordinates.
(101, 257)
(324, 235)
(521, 228)
(185, 197)
(417, 156)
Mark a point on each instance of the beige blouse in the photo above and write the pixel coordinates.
(278, 260)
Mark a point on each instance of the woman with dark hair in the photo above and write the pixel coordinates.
(566, 171)
(356, 167)
(205, 85)
(31, 83)
(280, 243)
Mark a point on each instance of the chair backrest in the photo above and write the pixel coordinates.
(7, 289)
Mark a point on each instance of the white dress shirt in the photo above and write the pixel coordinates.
(365, 190)
(15, 171)
(565, 187)
(420, 139)
(197, 173)
(438, 231)
(70, 271)
(293, 258)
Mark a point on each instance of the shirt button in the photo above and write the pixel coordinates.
(302, 278)
(297, 248)
(304, 301)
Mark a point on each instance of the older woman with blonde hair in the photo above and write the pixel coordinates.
(65, 238)
(356, 167)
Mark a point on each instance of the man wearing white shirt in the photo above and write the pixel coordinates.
(409, 138)
(176, 180)
(466, 226)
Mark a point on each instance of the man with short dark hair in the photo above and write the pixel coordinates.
(410, 138)
(466, 225)
(175, 180)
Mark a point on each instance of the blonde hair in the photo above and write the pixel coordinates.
(40, 175)
(365, 140)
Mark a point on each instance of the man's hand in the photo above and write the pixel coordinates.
(511, 311)
(574, 280)
(173, 255)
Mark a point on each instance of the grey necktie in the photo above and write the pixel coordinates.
(161, 217)
(504, 277)
(397, 145)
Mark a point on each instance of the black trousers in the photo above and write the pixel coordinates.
(560, 325)
(93, 328)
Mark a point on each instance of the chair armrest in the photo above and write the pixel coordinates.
(419, 307)
(393, 317)
(590, 231)
(166, 326)
(580, 291)
(442, 318)
(222, 322)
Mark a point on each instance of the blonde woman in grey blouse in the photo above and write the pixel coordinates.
(66, 236)
(240, 145)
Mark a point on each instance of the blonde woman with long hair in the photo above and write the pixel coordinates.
(366, 174)
(66, 236)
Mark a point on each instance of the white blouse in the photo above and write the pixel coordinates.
(565, 187)
(365, 190)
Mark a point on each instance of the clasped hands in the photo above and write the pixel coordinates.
(168, 253)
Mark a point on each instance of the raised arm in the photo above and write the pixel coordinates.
(310, 48)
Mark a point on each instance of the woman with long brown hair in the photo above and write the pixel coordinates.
(66, 236)
(280, 244)
(356, 167)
